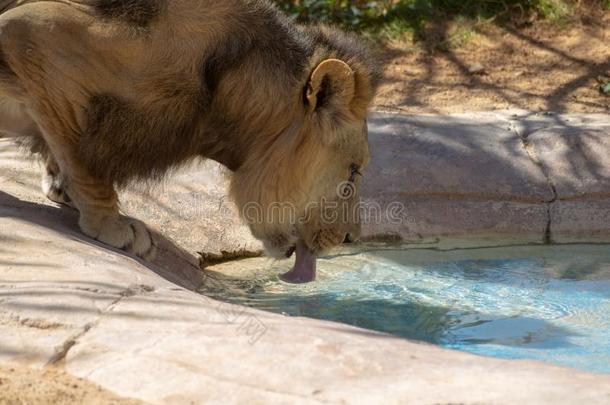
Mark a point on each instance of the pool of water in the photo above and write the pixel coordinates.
(546, 303)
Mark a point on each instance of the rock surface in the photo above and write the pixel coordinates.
(492, 178)
(138, 330)
(574, 153)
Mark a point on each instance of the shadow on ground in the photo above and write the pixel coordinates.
(546, 68)
(172, 263)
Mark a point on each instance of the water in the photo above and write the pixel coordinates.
(544, 303)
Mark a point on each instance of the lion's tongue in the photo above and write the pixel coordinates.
(304, 270)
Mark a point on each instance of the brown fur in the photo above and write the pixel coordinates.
(138, 13)
(125, 90)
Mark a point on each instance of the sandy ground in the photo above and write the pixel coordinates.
(22, 385)
(544, 67)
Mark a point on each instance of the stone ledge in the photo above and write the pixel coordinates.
(580, 221)
(462, 156)
(445, 219)
(576, 159)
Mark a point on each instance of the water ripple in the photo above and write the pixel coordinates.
(545, 303)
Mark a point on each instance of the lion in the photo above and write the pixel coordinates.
(111, 92)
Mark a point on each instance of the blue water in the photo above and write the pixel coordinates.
(544, 303)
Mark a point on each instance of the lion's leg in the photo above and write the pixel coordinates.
(100, 219)
(38, 40)
(65, 180)
(54, 183)
(99, 212)
(16, 122)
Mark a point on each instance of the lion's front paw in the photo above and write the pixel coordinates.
(127, 234)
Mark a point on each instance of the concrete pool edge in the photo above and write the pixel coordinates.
(541, 177)
(116, 322)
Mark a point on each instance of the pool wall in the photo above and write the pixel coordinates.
(490, 178)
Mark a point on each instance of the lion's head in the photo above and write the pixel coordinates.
(303, 185)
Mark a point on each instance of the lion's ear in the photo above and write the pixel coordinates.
(331, 85)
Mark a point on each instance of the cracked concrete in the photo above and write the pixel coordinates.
(572, 152)
(139, 330)
(61, 352)
(531, 152)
